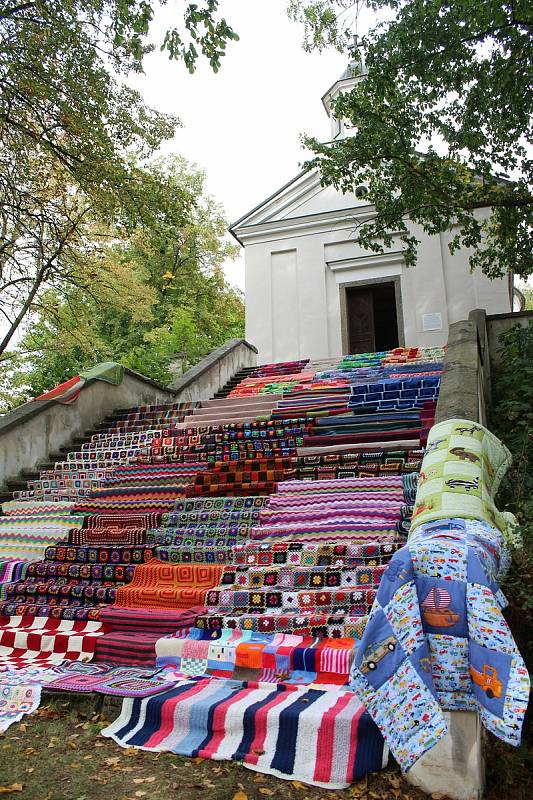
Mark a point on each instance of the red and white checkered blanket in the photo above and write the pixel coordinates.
(27, 640)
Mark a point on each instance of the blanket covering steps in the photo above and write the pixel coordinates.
(270, 518)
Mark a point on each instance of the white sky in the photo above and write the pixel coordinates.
(242, 126)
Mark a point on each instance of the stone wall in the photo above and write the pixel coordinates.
(34, 430)
(203, 380)
(31, 432)
(498, 324)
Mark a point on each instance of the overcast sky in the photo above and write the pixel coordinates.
(243, 125)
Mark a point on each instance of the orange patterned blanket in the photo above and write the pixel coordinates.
(157, 584)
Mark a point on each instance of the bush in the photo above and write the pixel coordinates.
(512, 420)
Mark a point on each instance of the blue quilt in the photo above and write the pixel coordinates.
(437, 640)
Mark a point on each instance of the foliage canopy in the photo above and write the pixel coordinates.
(144, 297)
(74, 138)
(80, 196)
(454, 79)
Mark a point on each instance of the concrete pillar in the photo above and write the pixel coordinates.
(459, 396)
(455, 767)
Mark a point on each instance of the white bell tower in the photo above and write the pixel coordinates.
(352, 75)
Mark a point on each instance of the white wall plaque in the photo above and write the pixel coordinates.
(432, 322)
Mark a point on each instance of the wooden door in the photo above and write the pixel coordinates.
(360, 313)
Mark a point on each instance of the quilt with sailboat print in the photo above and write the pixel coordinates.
(436, 639)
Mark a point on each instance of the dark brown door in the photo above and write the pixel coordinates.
(360, 312)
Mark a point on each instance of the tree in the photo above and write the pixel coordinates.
(457, 76)
(154, 292)
(72, 136)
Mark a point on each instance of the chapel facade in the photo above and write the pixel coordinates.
(312, 290)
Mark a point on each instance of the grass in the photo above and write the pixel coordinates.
(58, 754)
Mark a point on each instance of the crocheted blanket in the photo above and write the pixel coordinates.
(25, 538)
(44, 641)
(245, 655)
(160, 585)
(20, 692)
(158, 621)
(333, 624)
(11, 570)
(322, 737)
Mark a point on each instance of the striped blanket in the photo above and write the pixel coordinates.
(37, 507)
(325, 738)
(11, 570)
(25, 538)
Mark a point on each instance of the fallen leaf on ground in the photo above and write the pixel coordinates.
(299, 785)
(14, 787)
(240, 796)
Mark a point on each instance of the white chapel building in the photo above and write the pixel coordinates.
(312, 291)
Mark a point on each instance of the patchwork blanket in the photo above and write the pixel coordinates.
(436, 637)
(102, 554)
(311, 554)
(322, 737)
(245, 655)
(20, 692)
(289, 577)
(355, 602)
(120, 573)
(333, 624)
